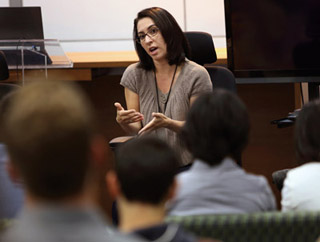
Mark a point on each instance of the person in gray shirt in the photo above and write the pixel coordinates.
(54, 147)
(216, 132)
(161, 87)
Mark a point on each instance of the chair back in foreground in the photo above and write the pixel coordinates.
(262, 226)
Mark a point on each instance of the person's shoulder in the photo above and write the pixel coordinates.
(193, 67)
(184, 176)
(116, 236)
(304, 173)
(183, 236)
(165, 232)
(259, 181)
(305, 168)
(130, 76)
(194, 172)
(197, 75)
(133, 68)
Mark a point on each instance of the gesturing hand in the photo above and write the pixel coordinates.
(127, 116)
(159, 120)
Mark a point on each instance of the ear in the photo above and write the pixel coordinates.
(13, 172)
(113, 184)
(98, 151)
(172, 189)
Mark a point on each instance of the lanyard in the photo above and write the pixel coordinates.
(155, 81)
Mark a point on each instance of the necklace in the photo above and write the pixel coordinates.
(157, 91)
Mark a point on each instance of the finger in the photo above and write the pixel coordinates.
(147, 128)
(118, 106)
(135, 118)
(158, 115)
(131, 118)
(130, 115)
(130, 112)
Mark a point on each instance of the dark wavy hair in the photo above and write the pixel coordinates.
(307, 133)
(177, 44)
(217, 126)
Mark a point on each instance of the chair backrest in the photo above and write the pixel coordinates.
(5, 88)
(202, 47)
(261, 226)
(4, 71)
(278, 178)
(203, 52)
(222, 77)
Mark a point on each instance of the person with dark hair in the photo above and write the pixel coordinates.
(216, 132)
(161, 87)
(54, 147)
(142, 182)
(301, 185)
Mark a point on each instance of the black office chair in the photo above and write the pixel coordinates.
(278, 178)
(4, 71)
(5, 88)
(203, 52)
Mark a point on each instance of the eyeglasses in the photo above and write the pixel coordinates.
(152, 32)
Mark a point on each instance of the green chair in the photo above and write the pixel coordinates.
(255, 227)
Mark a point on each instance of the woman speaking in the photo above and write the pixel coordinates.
(162, 86)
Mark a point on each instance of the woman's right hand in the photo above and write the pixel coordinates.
(127, 116)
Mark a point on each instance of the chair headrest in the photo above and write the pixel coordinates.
(4, 72)
(202, 47)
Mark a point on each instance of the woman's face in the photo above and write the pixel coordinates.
(151, 39)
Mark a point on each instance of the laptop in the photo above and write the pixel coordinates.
(22, 23)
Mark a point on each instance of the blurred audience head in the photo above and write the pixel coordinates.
(307, 133)
(217, 126)
(49, 130)
(145, 169)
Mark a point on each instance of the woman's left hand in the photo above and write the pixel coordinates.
(159, 121)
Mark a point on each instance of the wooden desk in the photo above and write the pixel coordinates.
(117, 58)
(84, 62)
(108, 59)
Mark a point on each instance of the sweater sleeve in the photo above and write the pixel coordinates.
(129, 78)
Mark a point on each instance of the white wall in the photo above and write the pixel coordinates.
(4, 3)
(207, 16)
(106, 25)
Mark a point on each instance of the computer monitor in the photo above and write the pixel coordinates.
(22, 23)
(17, 23)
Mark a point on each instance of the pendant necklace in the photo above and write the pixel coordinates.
(166, 102)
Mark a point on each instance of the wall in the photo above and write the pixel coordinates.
(4, 3)
(106, 25)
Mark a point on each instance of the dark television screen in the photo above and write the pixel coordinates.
(273, 38)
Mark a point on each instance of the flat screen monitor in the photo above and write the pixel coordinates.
(20, 23)
(23, 23)
(273, 38)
